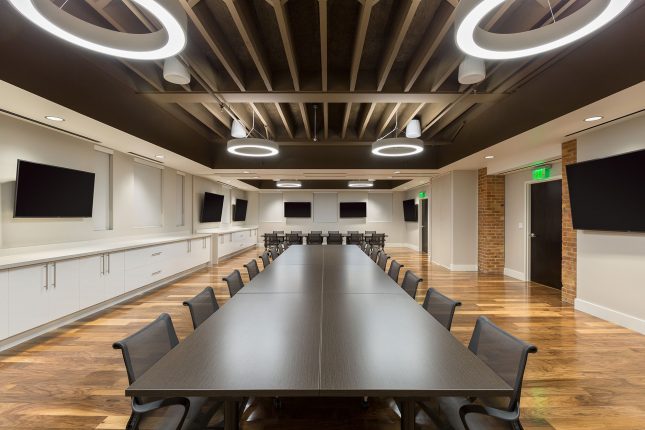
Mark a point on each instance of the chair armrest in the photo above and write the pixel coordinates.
(158, 404)
(513, 415)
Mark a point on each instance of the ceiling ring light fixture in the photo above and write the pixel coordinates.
(247, 146)
(164, 43)
(397, 146)
(477, 42)
(360, 184)
(288, 184)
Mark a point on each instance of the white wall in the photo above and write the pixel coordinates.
(454, 220)
(381, 216)
(23, 140)
(611, 266)
(202, 185)
(515, 234)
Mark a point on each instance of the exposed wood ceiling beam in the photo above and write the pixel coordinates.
(206, 118)
(445, 111)
(326, 121)
(319, 97)
(322, 12)
(264, 117)
(305, 119)
(287, 41)
(348, 111)
(409, 113)
(406, 13)
(359, 41)
(365, 120)
(243, 22)
(386, 118)
(286, 120)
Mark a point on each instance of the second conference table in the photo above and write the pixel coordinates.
(320, 321)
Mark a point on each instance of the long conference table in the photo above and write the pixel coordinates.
(320, 321)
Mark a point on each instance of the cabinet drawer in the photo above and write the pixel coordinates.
(145, 275)
(143, 256)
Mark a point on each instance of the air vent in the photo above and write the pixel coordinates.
(325, 175)
(152, 160)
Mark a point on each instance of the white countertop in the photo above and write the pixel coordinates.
(225, 230)
(25, 256)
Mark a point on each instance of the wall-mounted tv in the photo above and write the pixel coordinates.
(239, 210)
(353, 209)
(44, 191)
(212, 208)
(410, 210)
(608, 193)
(297, 209)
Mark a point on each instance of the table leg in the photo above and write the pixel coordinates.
(407, 414)
(231, 415)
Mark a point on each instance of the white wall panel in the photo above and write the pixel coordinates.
(147, 196)
(325, 207)
(379, 207)
(102, 210)
(271, 207)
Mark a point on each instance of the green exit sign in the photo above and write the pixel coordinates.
(541, 173)
(422, 194)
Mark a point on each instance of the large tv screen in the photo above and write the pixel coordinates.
(44, 191)
(609, 193)
(353, 209)
(410, 210)
(239, 210)
(212, 208)
(297, 209)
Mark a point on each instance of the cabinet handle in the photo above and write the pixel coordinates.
(108, 263)
(157, 254)
(54, 283)
(103, 264)
(156, 273)
(46, 266)
(204, 243)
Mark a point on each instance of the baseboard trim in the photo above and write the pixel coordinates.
(463, 267)
(514, 274)
(83, 313)
(238, 252)
(628, 321)
(440, 264)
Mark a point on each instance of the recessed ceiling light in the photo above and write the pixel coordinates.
(397, 172)
(161, 157)
(166, 42)
(245, 172)
(593, 118)
(54, 118)
(256, 177)
(489, 157)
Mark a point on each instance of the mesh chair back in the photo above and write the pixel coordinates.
(334, 239)
(441, 307)
(395, 268)
(202, 306)
(314, 239)
(234, 282)
(355, 239)
(271, 239)
(378, 239)
(278, 231)
(370, 231)
(374, 253)
(349, 233)
(293, 238)
(505, 354)
(316, 232)
(252, 268)
(382, 260)
(266, 260)
(411, 283)
(333, 232)
(367, 248)
(144, 348)
(274, 252)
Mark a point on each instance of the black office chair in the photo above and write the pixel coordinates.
(278, 231)
(441, 307)
(507, 356)
(252, 268)
(378, 239)
(316, 232)
(367, 248)
(293, 238)
(266, 259)
(382, 260)
(334, 238)
(141, 351)
(368, 235)
(314, 239)
(202, 306)
(283, 247)
(374, 253)
(333, 232)
(411, 283)
(234, 282)
(395, 268)
(274, 252)
(271, 239)
(355, 239)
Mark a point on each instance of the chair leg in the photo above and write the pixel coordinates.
(133, 422)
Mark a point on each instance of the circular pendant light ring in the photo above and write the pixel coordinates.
(477, 42)
(166, 42)
(397, 147)
(252, 147)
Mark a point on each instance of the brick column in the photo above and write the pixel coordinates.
(569, 237)
(490, 243)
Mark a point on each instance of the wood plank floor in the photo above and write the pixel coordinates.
(588, 374)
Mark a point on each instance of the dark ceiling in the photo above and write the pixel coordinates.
(357, 65)
(323, 184)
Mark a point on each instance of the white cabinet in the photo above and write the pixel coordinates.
(199, 251)
(92, 282)
(4, 304)
(63, 288)
(28, 298)
(115, 274)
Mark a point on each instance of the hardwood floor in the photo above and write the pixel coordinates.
(587, 374)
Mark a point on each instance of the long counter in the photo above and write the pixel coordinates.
(229, 241)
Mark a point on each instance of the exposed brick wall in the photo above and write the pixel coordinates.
(490, 244)
(569, 237)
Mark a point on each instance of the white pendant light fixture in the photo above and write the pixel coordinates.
(175, 72)
(413, 129)
(477, 42)
(164, 43)
(397, 146)
(471, 70)
(361, 184)
(288, 184)
(251, 146)
(237, 129)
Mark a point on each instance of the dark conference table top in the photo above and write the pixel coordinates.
(320, 321)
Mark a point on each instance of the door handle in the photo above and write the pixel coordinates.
(533, 235)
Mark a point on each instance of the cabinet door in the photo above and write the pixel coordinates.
(92, 280)
(63, 288)
(4, 304)
(115, 274)
(28, 298)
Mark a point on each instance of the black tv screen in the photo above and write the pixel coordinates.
(410, 210)
(353, 210)
(239, 211)
(212, 208)
(44, 191)
(609, 193)
(297, 209)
